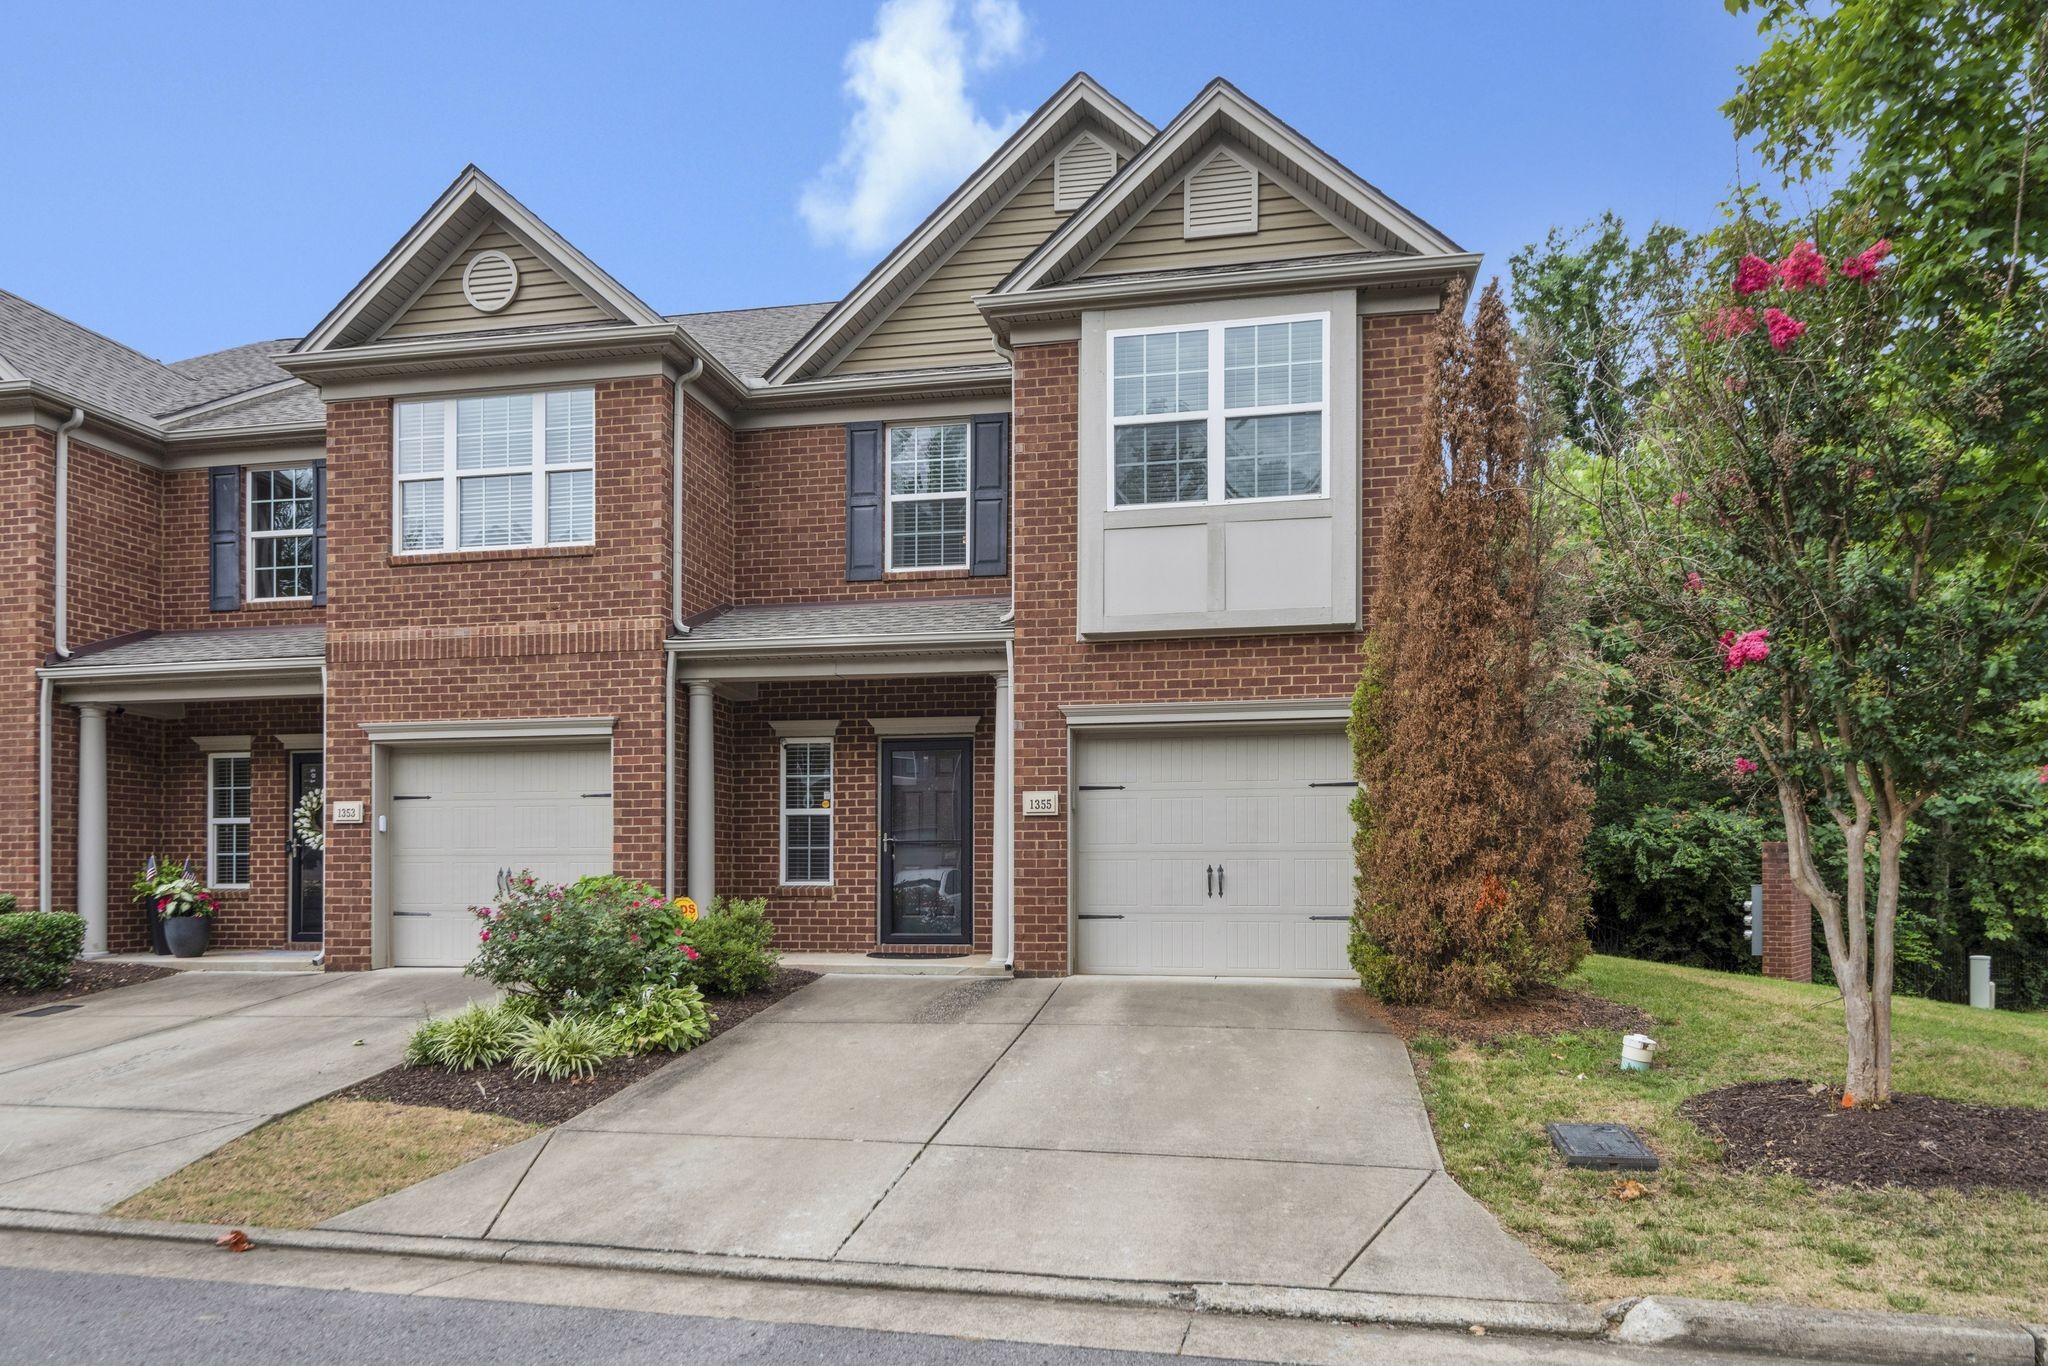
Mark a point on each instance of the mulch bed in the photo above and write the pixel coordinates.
(501, 1090)
(1920, 1142)
(87, 978)
(1547, 1012)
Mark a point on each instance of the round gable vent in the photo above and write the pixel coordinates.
(489, 281)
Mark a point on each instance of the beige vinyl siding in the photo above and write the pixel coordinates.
(938, 324)
(1287, 228)
(544, 297)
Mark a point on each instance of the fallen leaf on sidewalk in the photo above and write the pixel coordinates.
(1628, 1188)
(234, 1240)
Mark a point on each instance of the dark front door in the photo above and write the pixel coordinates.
(307, 776)
(927, 853)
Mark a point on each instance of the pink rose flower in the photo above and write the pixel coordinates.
(483, 934)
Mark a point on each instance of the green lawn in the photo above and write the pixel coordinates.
(1707, 1231)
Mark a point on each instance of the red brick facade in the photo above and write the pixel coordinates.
(27, 469)
(1786, 918)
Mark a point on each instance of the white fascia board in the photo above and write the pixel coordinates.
(1117, 117)
(472, 186)
(1334, 711)
(210, 668)
(1221, 102)
(689, 647)
(504, 728)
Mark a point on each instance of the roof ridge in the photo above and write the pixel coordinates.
(750, 308)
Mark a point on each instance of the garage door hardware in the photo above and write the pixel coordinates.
(1349, 782)
(597, 794)
(1215, 876)
(414, 797)
(1329, 917)
(1101, 787)
(1085, 916)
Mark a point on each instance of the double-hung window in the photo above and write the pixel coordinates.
(928, 496)
(1221, 412)
(281, 517)
(495, 471)
(806, 812)
(227, 820)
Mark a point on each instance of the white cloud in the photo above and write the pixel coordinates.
(915, 131)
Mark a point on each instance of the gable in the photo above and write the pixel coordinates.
(937, 323)
(542, 298)
(1288, 230)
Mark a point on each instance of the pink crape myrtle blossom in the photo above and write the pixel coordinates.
(1748, 647)
(1693, 582)
(1744, 767)
(1805, 268)
(1784, 328)
(1753, 275)
(1680, 498)
(1863, 265)
(1729, 323)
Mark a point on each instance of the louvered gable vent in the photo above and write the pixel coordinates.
(489, 281)
(1222, 198)
(1080, 171)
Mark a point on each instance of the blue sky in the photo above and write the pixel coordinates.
(194, 176)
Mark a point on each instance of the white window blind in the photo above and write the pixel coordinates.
(806, 812)
(523, 471)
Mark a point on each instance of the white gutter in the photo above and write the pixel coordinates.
(61, 616)
(675, 616)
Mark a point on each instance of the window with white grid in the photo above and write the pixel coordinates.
(806, 812)
(227, 820)
(1220, 412)
(495, 471)
(928, 496)
(281, 516)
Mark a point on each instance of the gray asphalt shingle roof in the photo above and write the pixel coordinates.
(853, 621)
(299, 404)
(171, 650)
(749, 340)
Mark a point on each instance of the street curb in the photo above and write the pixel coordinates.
(1651, 1321)
(1826, 1334)
(1419, 1311)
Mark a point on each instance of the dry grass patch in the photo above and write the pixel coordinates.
(1705, 1229)
(317, 1162)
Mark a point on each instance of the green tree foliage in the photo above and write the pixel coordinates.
(1472, 811)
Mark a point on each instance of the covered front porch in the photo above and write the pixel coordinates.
(189, 745)
(851, 763)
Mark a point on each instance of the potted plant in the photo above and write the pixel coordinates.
(179, 905)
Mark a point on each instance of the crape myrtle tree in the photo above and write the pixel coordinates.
(1471, 810)
(1834, 544)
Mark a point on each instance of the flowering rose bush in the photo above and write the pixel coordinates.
(585, 946)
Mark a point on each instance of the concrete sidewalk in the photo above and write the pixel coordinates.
(1250, 1133)
(99, 1102)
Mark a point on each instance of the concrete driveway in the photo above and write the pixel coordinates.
(1255, 1133)
(102, 1101)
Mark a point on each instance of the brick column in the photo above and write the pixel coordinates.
(1787, 919)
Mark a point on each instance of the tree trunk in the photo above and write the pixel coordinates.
(1866, 996)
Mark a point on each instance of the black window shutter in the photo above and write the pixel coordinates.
(990, 482)
(863, 501)
(224, 573)
(319, 533)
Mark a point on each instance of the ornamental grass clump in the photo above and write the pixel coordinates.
(565, 1046)
(1472, 812)
(478, 1035)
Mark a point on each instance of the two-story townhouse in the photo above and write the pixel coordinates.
(1008, 605)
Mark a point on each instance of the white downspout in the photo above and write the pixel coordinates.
(675, 616)
(61, 615)
(60, 624)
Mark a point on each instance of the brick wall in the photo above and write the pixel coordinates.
(1787, 919)
(1055, 669)
(707, 510)
(840, 918)
(789, 525)
(27, 465)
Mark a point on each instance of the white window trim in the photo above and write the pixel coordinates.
(250, 535)
(1214, 416)
(830, 811)
(890, 498)
(451, 479)
(213, 822)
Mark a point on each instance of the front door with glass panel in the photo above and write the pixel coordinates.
(307, 901)
(927, 864)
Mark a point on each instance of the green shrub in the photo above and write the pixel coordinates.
(671, 1018)
(566, 1046)
(732, 945)
(478, 1035)
(583, 947)
(423, 1048)
(8, 905)
(37, 948)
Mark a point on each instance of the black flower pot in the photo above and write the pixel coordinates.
(187, 934)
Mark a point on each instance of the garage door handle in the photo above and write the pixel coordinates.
(1219, 879)
(1209, 873)
(1098, 917)
(1329, 917)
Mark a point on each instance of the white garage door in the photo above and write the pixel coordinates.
(459, 815)
(1213, 854)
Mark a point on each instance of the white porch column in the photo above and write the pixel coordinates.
(701, 797)
(92, 826)
(1002, 932)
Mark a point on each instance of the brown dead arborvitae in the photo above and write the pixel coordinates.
(1472, 807)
